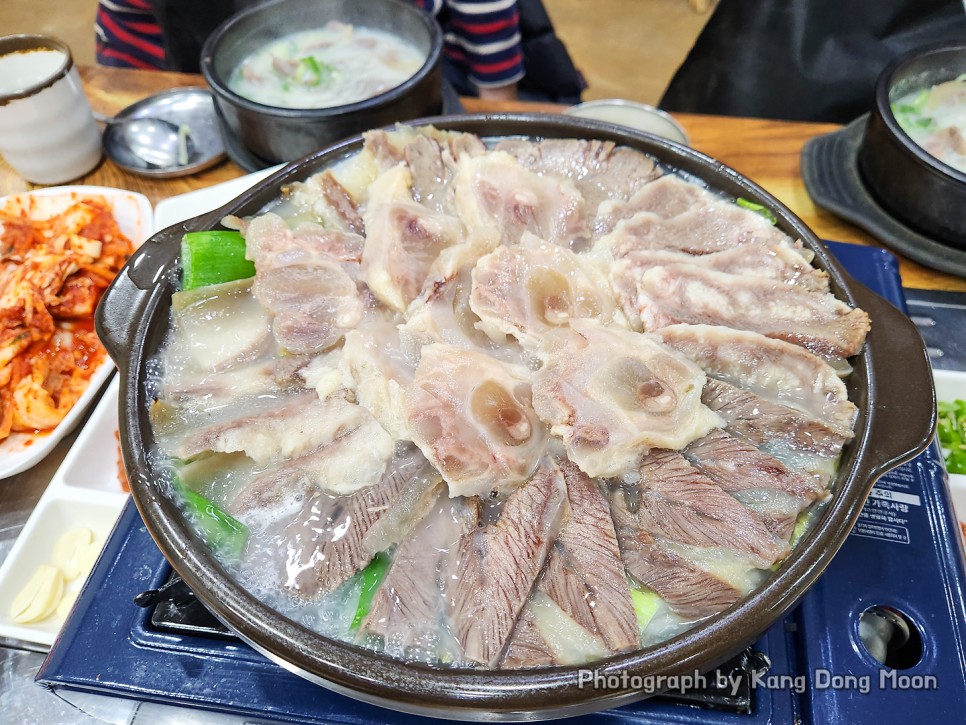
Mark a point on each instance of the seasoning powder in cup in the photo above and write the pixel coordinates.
(47, 130)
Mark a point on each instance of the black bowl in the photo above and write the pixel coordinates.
(891, 383)
(911, 183)
(276, 134)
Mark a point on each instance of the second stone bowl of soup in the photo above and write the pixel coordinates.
(291, 76)
(502, 164)
(913, 153)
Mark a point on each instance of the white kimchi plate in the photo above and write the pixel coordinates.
(135, 217)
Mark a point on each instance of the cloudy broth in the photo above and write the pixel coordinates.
(288, 440)
(330, 66)
(935, 118)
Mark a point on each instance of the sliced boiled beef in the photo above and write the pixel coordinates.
(584, 588)
(690, 591)
(678, 503)
(443, 314)
(341, 205)
(761, 422)
(272, 244)
(686, 293)
(665, 197)
(328, 540)
(275, 428)
(497, 566)
(527, 647)
(600, 169)
(531, 288)
(612, 395)
(473, 417)
(777, 262)
(584, 575)
(403, 239)
(777, 493)
(494, 192)
(700, 230)
(432, 163)
(306, 280)
(774, 369)
(407, 610)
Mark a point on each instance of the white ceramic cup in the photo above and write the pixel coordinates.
(633, 115)
(47, 130)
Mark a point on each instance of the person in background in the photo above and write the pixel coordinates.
(127, 35)
(492, 48)
(482, 45)
(808, 60)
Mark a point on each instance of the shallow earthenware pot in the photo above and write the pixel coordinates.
(276, 134)
(911, 183)
(891, 384)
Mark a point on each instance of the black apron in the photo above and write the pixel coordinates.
(186, 25)
(806, 60)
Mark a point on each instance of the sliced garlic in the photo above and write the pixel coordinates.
(66, 603)
(70, 548)
(86, 558)
(39, 598)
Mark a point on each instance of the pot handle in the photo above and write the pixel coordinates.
(903, 421)
(121, 308)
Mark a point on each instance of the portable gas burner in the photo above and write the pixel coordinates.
(881, 637)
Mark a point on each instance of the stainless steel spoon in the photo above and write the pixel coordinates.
(155, 141)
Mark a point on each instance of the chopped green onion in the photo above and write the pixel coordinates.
(371, 578)
(952, 434)
(213, 257)
(221, 531)
(904, 108)
(802, 524)
(646, 603)
(919, 102)
(758, 209)
(308, 72)
(312, 72)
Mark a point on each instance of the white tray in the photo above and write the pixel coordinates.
(85, 491)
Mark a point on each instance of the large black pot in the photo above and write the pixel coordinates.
(275, 134)
(891, 384)
(911, 183)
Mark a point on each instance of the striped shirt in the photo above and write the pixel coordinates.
(482, 37)
(127, 35)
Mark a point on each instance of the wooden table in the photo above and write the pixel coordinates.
(768, 152)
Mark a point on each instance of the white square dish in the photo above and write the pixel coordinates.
(185, 206)
(93, 462)
(135, 217)
(950, 386)
(85, 491)
(34, 547)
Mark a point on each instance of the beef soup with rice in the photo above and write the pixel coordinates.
(503, 407)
